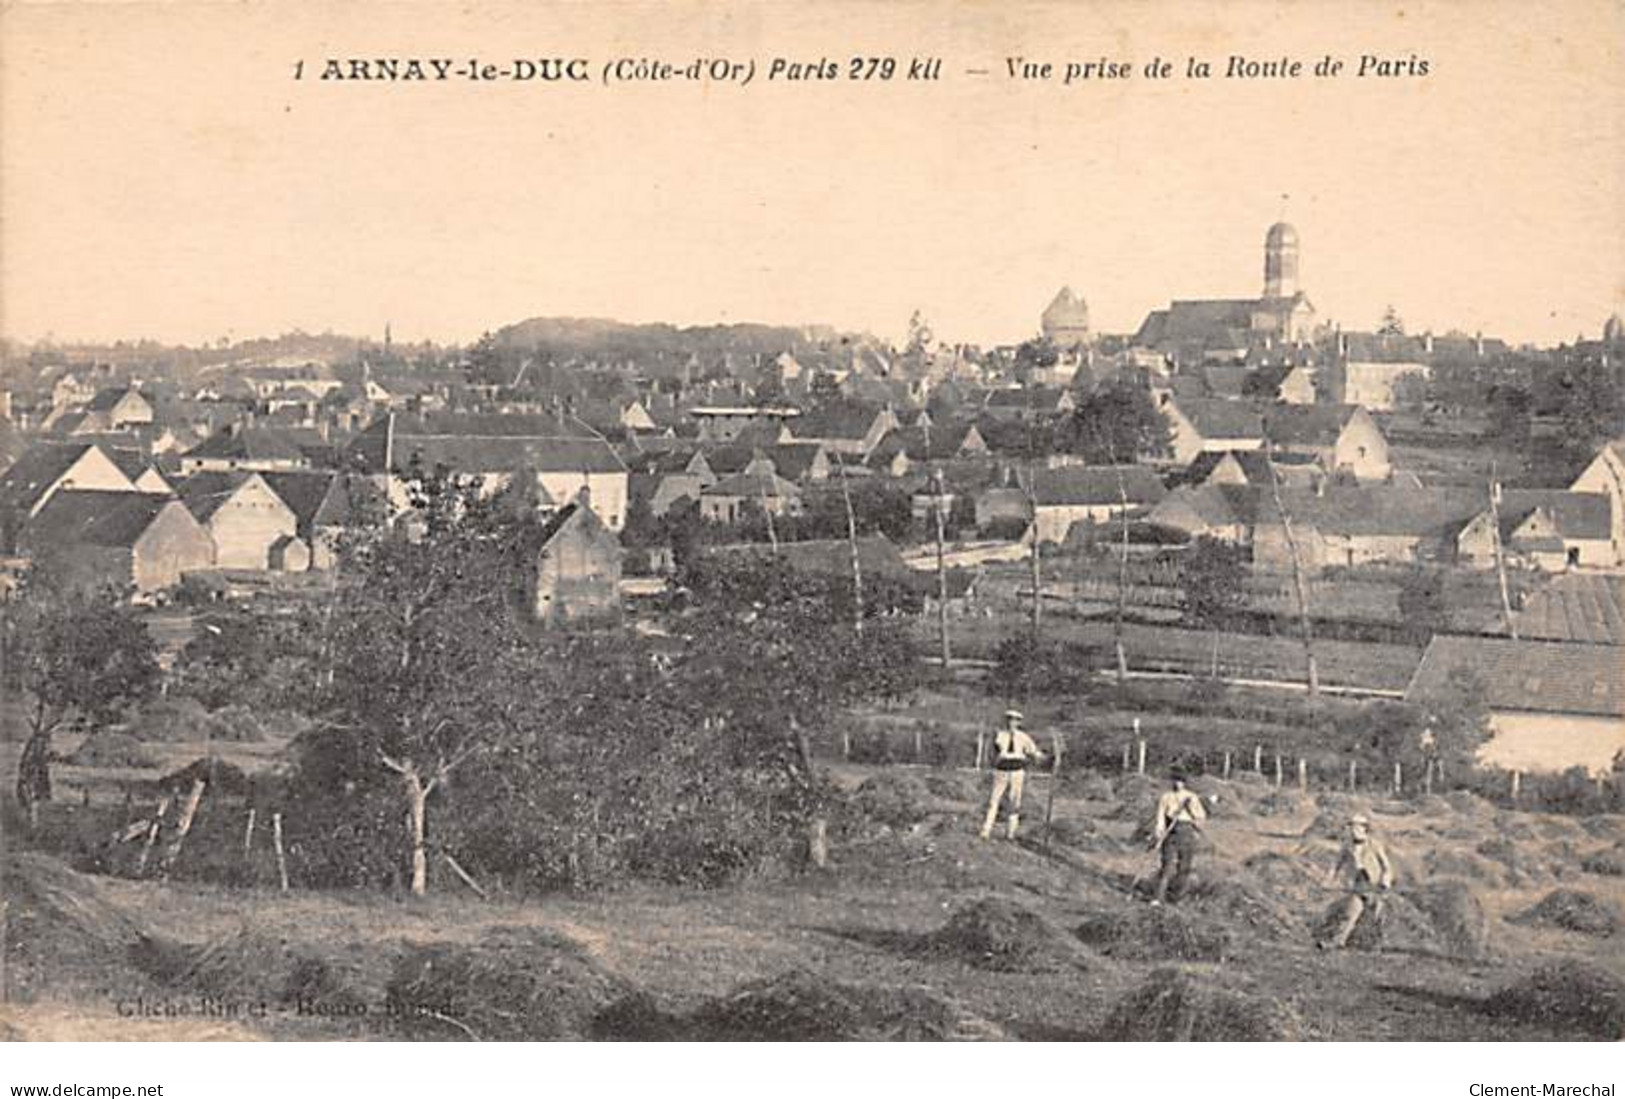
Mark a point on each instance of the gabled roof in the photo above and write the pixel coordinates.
(1538, 676)
(206, 493)
(1218, 418)
(248, 444)
(1582, 515)
(849, 420)
(793, 461)
(106, 400)
(473, 444)
(303, 492)
(1226, 381)
(573, 514)
(1374, 510)
(1217, 505)
(754, 486)
(95, 517)
(1096, 486)
(32, 475)
(1374, 347)
(1037, 398)
(1307, 424)
(1255, 465)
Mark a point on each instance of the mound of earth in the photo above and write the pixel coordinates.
(58, 925)
(1465, 803)
(1433, 805)
(997, 934)
(1572, 910)
(251, 965)
(1608, 863)
(1175, 1006)
(894, 798)
(1146, 933)
(804, 1007)
(1568, 993)
(111, 749)
(514, 985)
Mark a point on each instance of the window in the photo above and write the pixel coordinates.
(1574, 556)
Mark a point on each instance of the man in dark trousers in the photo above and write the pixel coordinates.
(1176, 833)
(1013, 750)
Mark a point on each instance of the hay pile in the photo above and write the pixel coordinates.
(1262, 914)
(1433, 805)
(58, 928)
(1137, 797)
(1455, 915)
(1281, 803)
(1224, 800)
(1569, 994)
(1174, 1006)
(516, 984)
(894, 798)
(1071, 831)
(1604, 826)
(1000, 935)
(221, 777)
(1463, 865)
(958, 786)
(1572, 910)
(253, 965)
(803, 1007)
(1088, 786)
(1608, 863)
(1147, 934)
(1465, 803)
(112, 749)
(1331, 822)
(1521, 868)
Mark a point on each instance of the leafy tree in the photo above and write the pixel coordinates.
(1117, 423)
(430, 661)
(71, 656)
(1510, 408)
(920, 336)
(1591, 407)
(1036, 354)
(1391, 324)
(1212, 583)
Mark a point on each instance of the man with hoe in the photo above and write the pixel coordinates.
(1364, 865)
(1177, 834)
(1013, 750)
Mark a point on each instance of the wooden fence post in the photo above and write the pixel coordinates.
(1127, 748)
(1354, 771)
(152, 836)
(981, 749)
(1227, 764)
(184, 825)
(1517, 785)
(1140, 763)
(1303, 774)
(281, 857)
(1427, 777)
(1277, 770)
(1258, 758)
(1399, 778)
(919, 743)
(248, 831)
(846, 743)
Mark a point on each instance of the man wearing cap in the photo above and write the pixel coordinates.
(1177, 833)
(1013, 749)
(1364, 864)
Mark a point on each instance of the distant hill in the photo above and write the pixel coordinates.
(590, 337)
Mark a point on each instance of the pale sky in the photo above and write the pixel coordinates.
(162, 175)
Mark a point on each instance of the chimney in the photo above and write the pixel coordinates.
(1478, 344)
(1427, 342)
(1495, 493)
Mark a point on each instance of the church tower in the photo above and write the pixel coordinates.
(1281, 261)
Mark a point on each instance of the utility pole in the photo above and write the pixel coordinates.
(1312, 673)
(852, 542)
(1500, 555)
(942, 570)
